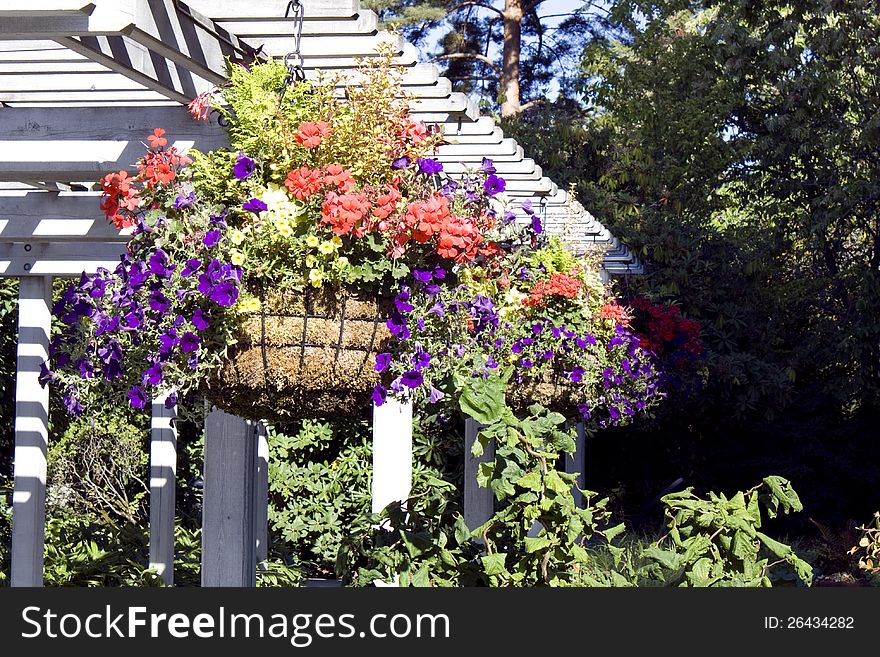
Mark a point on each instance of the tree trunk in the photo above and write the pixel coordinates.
(512, 16)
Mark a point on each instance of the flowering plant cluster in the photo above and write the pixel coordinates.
(318, 191)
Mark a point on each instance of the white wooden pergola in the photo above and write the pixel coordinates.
(81, 84)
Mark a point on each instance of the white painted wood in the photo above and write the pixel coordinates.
(261, 494)
(479, 503)
(366, 22)
(102, 81)
(231, 9)
(577, 463)
(133, 61)
(31, 433)
(25, 267)
(483, 125)
(319, 46)
(163, 485)
(392, 453)
(228, 540)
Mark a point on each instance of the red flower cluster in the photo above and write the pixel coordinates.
(312, 133)
(561, 285)
(305, 182)
(157, 167)
(117, 192)
(615, 312)
(457, 238)
(663, 328)
(345, 213)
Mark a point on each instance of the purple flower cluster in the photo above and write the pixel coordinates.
(149, 305)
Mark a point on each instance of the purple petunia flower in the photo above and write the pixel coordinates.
(158, 263)
(527, 206)
(383, 360)
(400, 163)
(537, 226)
(159, 302)
(189, 342)
(576, 375)
(537, 328)
(153, 374)
(397, 326)
(211, 238)
(200, 319)
(171, 401)
(167, 341)
(434, 395)
(438, 309)
(422, 276)
(487, 166)
(182, 202)
(46, 375)
(244, 166)
(494, 185)
(191, 267)
(412, 379)
(428, 166)
(526, 363)
(137, 397)
(72, 403)
(379, 395)
(86, 369)
(255, 205)
(224, 294)
(421, 360)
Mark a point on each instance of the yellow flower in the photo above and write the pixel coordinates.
(326, 248)
(283, 228)
(342, 262)
(316, 278)
(236, 257)
(337, 241)
(236, 236)
(313, 241)
(310, 261)
(249, 305)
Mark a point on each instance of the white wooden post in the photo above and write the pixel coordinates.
(479, 503)
(228, 508)
(31, 432)
(392, 453)
(261, 494)
(163, 483)
(577, 463)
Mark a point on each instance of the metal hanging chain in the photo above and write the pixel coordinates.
(294, 60)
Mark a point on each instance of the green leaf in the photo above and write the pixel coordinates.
(537, 543)
(483, 399)
(531, 481)
(493, 564)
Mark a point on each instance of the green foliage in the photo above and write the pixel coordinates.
(717, 542)
(319, 487)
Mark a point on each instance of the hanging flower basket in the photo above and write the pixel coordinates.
(310, 354)
(322, 263)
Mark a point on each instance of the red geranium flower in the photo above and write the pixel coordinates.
(303, 182)
(311, 134)
(156, 139)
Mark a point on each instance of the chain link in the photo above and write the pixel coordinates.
(294, 59)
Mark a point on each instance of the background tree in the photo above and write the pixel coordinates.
(510, 53)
